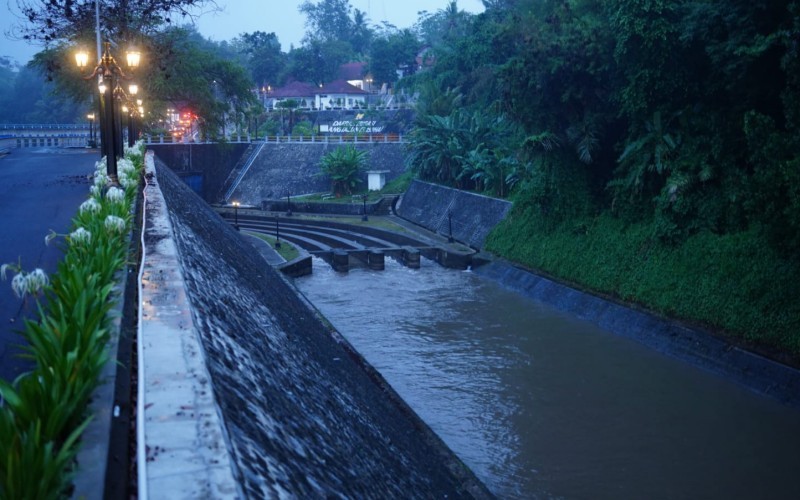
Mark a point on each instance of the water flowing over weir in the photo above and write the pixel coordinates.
(542, 405)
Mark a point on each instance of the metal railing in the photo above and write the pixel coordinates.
(276, 139)
(243, 171)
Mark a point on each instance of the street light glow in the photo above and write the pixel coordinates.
(133, 57)
(82, 58)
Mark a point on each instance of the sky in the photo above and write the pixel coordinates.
(246, 16)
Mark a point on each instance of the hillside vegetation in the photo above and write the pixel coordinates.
(650, 148)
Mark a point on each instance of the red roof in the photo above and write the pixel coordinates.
(340, 87)
(294, 89)
(352, 71)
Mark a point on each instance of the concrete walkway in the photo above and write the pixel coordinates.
(182, 450)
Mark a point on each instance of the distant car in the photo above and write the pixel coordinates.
(4, 151)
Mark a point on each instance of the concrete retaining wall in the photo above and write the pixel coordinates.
(213, 162)
(473, 215)
(306, 416)
(294, 168)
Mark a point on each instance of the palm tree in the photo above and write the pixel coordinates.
(344, 165)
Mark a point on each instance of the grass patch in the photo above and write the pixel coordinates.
(287, 250)
(398, 185)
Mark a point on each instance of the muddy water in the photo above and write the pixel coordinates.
(541, 405)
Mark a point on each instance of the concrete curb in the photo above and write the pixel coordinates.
(183, 444)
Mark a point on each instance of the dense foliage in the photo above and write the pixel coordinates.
(344, 166)
(675, 120)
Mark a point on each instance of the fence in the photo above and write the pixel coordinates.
(312, 139)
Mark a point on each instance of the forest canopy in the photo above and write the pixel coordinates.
(680, 112)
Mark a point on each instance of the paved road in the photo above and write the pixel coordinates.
(40, 189)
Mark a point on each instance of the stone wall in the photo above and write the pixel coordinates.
(306, 416)
(294, 168)
(213, 162)
(472, 216)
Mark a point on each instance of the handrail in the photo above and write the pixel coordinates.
(244, 170)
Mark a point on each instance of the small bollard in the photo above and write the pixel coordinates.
(340, 261)
(376, 260)
(411, 257)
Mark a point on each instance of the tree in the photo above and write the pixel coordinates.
(361, 36)
(327, 20)
(52, 21)
(344, 165)
(391, 50)
(263, 56)
(317, 61)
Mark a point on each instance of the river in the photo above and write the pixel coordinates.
(542, 405)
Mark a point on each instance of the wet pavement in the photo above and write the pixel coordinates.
(40, 190)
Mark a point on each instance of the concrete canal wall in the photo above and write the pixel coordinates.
(697, 347)
(437, 208)
(283, 168)
(306, 416)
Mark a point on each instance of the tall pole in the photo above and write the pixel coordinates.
(97, 28)
(277, 231)
(450, 227)
(119, 148)
(364, 199)
(130, 128)
(108, 132)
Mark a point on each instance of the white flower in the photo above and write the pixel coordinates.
(100, 178)
(90, 206)
(115, 224)
(81, 235)
(50, 237)
(20, 285)
(115, 195)
(100, 165)
(125, 166)
(127, 180)
(37, 280)
(3, 269)
(31, 283)
(95, 191)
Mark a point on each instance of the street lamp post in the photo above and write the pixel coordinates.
(235, 214)
(288, 204)
(450, 227)
(90, 142)
(133, 89)
(108, 73)
(364, 216)
(277, 231)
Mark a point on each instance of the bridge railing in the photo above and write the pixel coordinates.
(312, 139)
(44, 126)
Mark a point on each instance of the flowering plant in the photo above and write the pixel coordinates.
(43, 412)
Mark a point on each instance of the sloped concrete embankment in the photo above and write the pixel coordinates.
(696, 347)
(286, 168)
(474, 216)
(306, 417)
(438, 208)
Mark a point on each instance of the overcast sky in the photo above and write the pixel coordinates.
(246, 16)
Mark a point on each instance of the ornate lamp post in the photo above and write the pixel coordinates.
(108, 73)
(91, 142)
(235, 214)
(133, 89)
